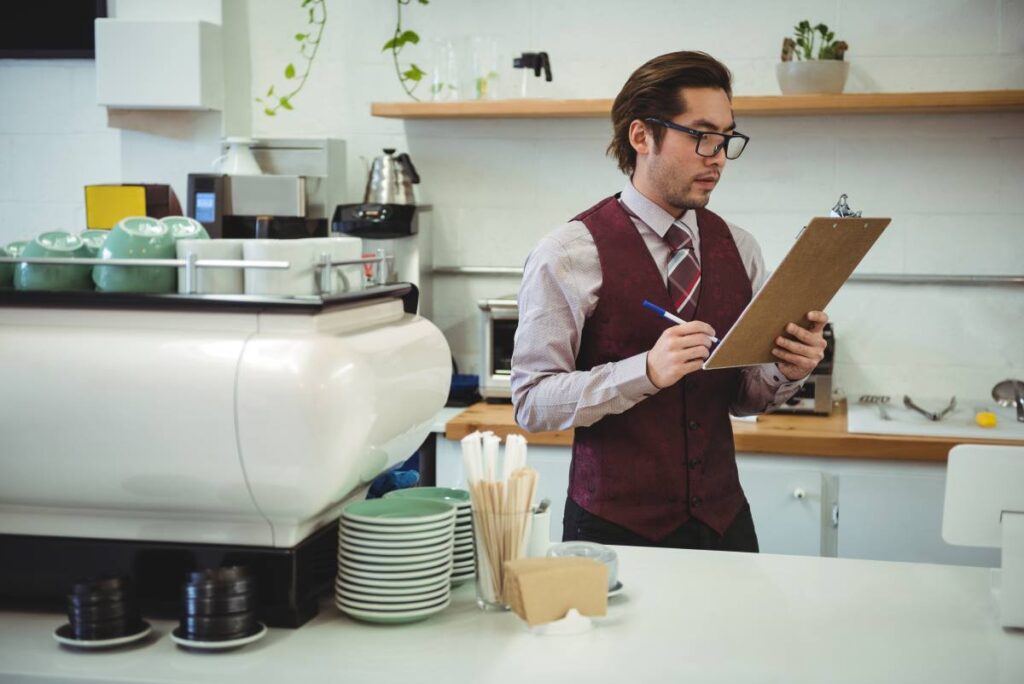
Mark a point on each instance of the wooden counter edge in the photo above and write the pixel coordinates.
(789, 436)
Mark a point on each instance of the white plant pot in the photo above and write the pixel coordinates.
(827, 76)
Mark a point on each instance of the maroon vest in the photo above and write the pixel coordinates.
(671, 456)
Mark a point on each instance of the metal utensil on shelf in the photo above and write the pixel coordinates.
(1010, 393)
(879, 399)
(928, 414)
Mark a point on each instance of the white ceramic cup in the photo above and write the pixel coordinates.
(295, 281)
(540, 535)
(300, 279)
(212, 280)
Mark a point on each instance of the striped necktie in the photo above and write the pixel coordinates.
(683, 272)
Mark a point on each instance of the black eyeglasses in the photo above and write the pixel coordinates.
(709, 144)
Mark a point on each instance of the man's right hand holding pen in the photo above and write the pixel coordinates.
(679, 351)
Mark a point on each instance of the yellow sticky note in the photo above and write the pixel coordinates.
(105, 205)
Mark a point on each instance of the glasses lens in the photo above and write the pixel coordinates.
(710, 144)
(734, 148)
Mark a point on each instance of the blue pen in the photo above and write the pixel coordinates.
(672, 317)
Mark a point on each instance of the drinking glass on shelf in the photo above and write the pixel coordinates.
(484, 75)
(444, 72)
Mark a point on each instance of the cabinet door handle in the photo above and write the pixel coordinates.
(799, 493)
(835, 515)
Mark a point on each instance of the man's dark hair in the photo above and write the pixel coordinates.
(653, 90)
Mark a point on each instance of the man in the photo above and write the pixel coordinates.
(653, 457)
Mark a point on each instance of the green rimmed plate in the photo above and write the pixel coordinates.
(397, 512)
(415, 588)
(398, 585)
(388, 543)
(454, 497)
(353, 557)
(393, 618)
(345, 571)
(372, 552)
(425, 596)
(354, 531)
(395, 607)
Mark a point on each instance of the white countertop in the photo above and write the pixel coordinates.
(683, 616)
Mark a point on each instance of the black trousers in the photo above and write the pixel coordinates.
(580, 525)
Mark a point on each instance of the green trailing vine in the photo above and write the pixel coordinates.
(309, 43)
(413, 75)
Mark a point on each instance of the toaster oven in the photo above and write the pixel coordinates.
(499, 319)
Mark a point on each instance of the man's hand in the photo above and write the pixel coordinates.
(679, 351)
(797, 358)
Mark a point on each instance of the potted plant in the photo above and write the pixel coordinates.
(813, 63)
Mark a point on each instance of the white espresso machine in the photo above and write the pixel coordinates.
(153, 435)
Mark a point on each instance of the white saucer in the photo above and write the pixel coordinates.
(218, 645)
(616, 590)
(69, 640)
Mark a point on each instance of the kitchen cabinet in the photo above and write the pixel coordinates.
(792, 507)
(898, 516)
(159, 64)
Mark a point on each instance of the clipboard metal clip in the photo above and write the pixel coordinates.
(842, 209)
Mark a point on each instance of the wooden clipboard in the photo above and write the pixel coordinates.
(824, 256)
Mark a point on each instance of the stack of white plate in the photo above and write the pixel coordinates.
(394, 559)
(464, 567)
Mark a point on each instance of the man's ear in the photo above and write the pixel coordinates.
(640, 137)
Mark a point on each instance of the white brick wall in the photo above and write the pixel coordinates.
(952, 183)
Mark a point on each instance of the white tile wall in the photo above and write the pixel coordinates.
(952, 183)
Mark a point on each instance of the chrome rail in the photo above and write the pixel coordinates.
(891, 278)
(190, 264)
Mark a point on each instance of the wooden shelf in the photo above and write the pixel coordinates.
(751, 105)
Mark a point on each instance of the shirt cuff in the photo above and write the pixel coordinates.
(775, 380)
(632, 380)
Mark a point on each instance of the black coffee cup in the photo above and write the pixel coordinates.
(98, 612)
(222, 605)
(203, 628)
(107, 629)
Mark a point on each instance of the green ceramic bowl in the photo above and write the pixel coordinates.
(94, 240)
(185, 228)
(454, 497)
(6, 271)
(390, 512)
(16, 247)
(138, 237)
(52, 277)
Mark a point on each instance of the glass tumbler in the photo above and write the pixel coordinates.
(500, 537)
(484, 77)
(444, 72)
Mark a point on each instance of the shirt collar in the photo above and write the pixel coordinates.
(656, 218)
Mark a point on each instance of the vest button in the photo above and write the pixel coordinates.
(693, 425)
(694, 463)
(694, 501)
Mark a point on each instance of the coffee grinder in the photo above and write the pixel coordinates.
(301, 179)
